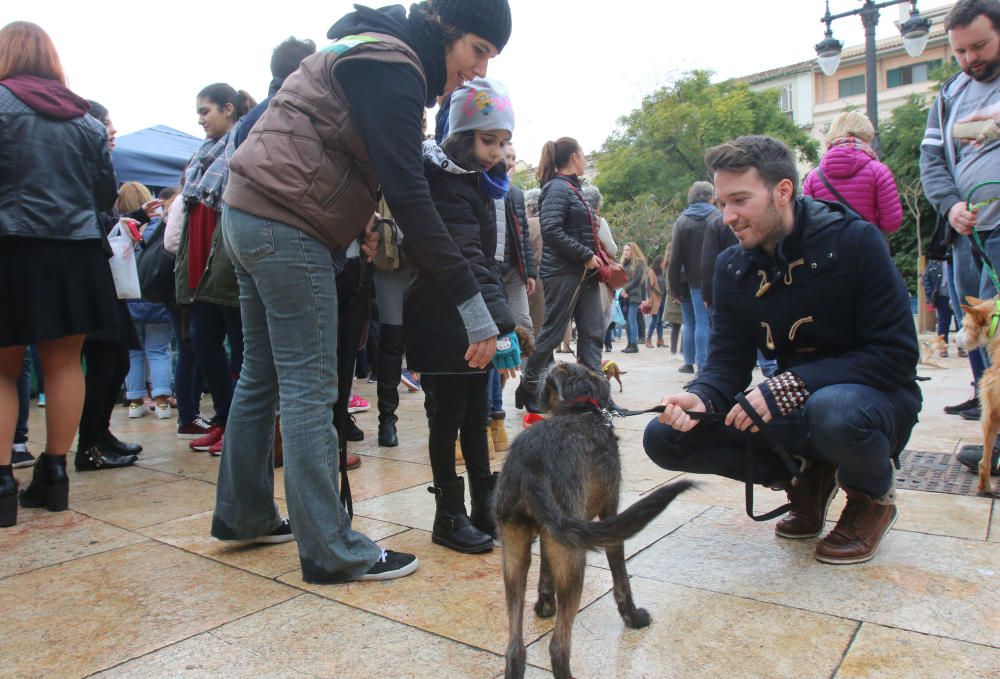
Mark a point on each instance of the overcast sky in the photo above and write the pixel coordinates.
(572, 67)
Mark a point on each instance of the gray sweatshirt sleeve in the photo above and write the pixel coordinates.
(936, 173)
(476, 316)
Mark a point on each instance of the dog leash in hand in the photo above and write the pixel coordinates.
(772, 442)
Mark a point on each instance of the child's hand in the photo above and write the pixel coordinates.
(508, 356)
(372, 238)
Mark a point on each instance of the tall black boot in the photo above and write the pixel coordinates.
(49, 485)
(390, 363)
(481, 488)
(8, 497)
(452, 527)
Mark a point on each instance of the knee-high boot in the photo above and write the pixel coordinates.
(390, 362)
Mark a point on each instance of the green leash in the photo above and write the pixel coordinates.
(995, 319)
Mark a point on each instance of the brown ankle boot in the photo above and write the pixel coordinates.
(859, 532)
(649, 343)
(810, 497)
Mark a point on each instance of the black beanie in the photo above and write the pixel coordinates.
(488, 19)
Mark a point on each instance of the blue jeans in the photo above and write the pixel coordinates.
(849, 425)
(656, 324)
(495, 390)
(970, 279)
(632, 317)
(694, 317)
(155, 352)
(288, 297)
(187, 382)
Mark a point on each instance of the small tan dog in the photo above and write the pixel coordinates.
(931, 349)
(613, 372)
(980, 329)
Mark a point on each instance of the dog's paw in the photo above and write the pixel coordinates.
(545, 607)
(639, 617)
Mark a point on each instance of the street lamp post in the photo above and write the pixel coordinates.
(914, 30)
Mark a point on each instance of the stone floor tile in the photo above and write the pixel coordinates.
(413, 507)
(56, 537)
(155, 504)
(193, 534)
(884, 653)
(187, 463)
(377, 476)
(93, 613)
(91, 485)
(994, 535)
(203, 657)
(674, 516)
(924, 583)
(960, 516)
(458, 596)
(323, 638)
(695, 633)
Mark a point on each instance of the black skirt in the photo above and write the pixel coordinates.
(55, 288)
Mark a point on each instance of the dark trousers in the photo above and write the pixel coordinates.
(943, 307)
(453, 403)
(209, 325)
(107, 365)
(187, 381)
(563, 303)
(849, 425)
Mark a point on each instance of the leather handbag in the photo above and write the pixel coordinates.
(609, 272)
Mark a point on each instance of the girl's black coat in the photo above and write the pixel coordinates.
(435, 336)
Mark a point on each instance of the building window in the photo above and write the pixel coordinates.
(909, 75)
(785, 100)
(851, 86)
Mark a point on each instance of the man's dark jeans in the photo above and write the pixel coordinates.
(849, 425)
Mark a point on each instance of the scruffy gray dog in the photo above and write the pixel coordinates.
(560, 474)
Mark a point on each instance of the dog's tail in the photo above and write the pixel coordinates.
(612, 531)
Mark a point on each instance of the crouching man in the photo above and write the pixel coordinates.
(812, 285)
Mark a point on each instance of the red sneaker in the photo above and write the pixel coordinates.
(216, 449)
(213, 436)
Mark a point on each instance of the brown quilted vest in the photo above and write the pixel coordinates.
(304, 163)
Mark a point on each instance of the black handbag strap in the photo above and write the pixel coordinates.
(835, 192)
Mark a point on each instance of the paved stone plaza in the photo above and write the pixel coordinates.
(128, 583)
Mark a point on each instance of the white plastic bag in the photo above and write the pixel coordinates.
(123, 264)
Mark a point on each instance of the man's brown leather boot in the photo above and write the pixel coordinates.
(810, 497)
(859, 532)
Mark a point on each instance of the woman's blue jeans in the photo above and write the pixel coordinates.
(695, 329)
(155, 353)
(288, 298)
(632, 316)
(187, 384)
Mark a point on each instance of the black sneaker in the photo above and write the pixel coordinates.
(390, 565)
(283, 533)
(959, 408)
(352, 432)
(971, 414)
(20, 457)
(686, 368)
(971, 455)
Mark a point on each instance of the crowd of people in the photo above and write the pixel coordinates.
(302, 223)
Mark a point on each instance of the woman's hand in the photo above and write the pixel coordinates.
(481, 353)
(591, 263)
(153, 208)
(372, 237)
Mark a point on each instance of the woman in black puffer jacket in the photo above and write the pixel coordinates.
(568, 266)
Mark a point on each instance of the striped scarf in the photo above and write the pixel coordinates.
(854, 143)
(208, 171)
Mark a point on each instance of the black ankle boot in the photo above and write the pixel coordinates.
(49, 485)
(8, 497)
(111, 444)
(387, 433)
(481, 489)
(452, 527)
(96, 457)
(525, 397)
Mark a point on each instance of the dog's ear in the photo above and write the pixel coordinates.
(973, 301)
(552, 387)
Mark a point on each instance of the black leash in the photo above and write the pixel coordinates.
(764, 431)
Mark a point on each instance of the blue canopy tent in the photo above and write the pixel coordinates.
(155, 156)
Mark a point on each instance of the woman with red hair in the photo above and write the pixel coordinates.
(55, 177)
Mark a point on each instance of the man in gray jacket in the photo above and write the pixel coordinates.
(956, 154)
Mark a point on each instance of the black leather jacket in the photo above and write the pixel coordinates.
(567, 227)
(55, 175)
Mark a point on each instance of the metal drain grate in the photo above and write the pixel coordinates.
(935, 472)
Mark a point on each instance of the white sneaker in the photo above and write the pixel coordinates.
(163, 411)
(136, 410)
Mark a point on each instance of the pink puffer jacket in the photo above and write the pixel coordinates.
(866, 184)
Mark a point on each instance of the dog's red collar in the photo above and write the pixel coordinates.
(585, 399)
